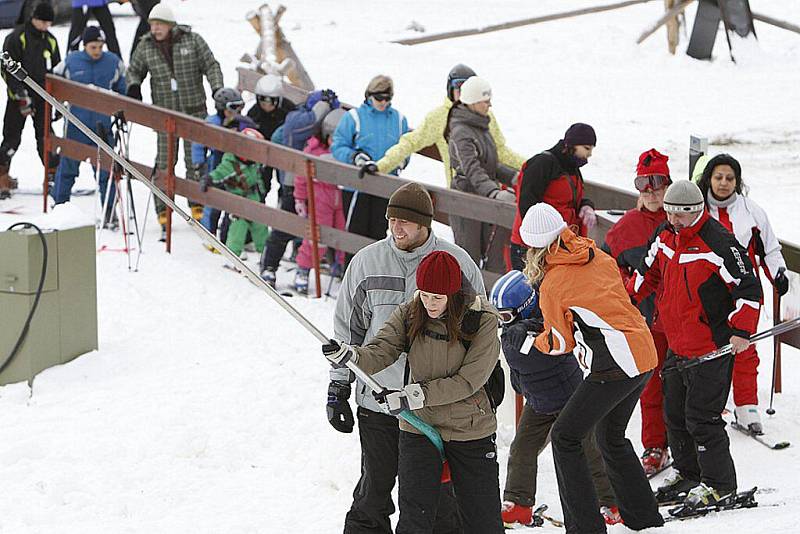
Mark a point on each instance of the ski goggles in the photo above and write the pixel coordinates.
(456, 83)
(271, 99)
(237, 105)
(651, 181)
(382, 97)
(507, 315)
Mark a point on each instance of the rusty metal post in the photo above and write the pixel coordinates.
(313, 228)
(172, 143)
(776, 341)
(46, 147)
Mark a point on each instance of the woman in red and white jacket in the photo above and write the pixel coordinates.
(724, 191)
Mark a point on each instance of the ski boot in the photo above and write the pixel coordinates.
(748, 418)
(674, 489)
(7, 183)
(654, 459)
(162, 220)
(512, 512)
(111, 222)
(301, 281)
(610, 515)
(269, 276)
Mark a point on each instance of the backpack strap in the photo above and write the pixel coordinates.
(469, 325)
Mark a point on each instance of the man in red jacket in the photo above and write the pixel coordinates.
(709, 299)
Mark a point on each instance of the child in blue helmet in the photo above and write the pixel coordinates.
(547, 382)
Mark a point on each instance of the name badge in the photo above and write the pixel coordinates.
(173, 84)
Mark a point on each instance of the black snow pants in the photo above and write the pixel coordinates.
(278, 239)
(475, 476)
(606, 407)
(372, 497)
(14, 123)
(694, 399)
(80, 16)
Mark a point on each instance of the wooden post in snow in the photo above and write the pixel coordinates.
(673, 36)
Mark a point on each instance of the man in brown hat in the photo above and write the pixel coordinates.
(379, 278)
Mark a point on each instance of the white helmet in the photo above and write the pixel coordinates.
(269, 85)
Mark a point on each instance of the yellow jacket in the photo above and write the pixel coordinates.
(431, 132)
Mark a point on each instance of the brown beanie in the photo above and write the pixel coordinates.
(379, 84)
(411, 202)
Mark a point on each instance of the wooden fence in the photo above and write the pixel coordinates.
(178, 125)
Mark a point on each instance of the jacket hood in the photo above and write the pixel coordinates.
(574, 250)
(315, 146)
(372, 109)
(462, 114)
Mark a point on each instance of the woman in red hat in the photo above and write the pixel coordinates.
(627, 243)
(452, 347)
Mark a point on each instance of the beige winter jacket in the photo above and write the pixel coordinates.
(452, 378)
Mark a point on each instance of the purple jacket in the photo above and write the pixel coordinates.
(88, 3)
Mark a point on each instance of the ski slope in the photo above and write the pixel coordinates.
(203, 409)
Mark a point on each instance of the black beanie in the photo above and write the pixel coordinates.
(411, 203)
(44, 11)
(580, 134)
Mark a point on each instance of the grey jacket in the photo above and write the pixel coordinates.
(380, 278)
(473, 154)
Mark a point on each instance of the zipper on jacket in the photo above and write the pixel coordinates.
(686, 281)
(478, 405)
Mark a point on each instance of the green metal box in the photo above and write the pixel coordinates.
(64, 325)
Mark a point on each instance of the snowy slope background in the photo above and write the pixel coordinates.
(203, 410)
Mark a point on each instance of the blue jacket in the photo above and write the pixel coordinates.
(547, 382)
(108, 72)
(376, 132)
(203, 154)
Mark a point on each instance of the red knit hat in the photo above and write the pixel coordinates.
(439, 273)
(652, 162)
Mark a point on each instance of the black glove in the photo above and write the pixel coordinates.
(340, 415)
(135, 91)
(368, 168)
(781, 282)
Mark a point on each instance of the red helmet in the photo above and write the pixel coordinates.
(252, 132)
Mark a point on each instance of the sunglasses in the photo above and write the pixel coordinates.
(382, 97)
(650, 181)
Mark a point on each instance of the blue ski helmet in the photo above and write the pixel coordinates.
(514, 297)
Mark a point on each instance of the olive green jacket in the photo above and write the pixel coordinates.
(191, 59)
(452, 378)
(431, 132)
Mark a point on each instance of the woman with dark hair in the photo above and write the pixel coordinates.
(587, 312)
(452, 348)
(554, 177)
(724, 191)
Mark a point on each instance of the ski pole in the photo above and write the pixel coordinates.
(775, 352)
(16, 69)
(776, 330)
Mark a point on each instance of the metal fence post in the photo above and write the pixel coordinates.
(46, 147)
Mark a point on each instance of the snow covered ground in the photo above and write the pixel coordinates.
(203, 410)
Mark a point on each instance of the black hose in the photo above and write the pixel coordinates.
(25, 329)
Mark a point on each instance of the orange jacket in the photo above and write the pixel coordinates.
(585, 305)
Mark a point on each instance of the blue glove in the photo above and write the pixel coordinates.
(329, 96)
(313, 98)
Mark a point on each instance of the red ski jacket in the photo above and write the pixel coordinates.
(551, 178)
(709, 292)
(627, 242)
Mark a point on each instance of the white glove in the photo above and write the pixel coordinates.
(339, 353)
(587, 215)
(410, 397)
(504, 194)
(300, 208)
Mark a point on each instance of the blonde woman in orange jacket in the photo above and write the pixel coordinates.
(587, 312)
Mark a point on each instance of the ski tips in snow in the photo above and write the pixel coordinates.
(763, 439)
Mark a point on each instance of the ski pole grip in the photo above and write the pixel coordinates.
(13, 67)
